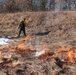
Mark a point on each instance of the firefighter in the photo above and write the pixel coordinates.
(22, 26)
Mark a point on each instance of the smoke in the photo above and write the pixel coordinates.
(40, 48)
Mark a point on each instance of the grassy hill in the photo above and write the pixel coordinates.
(51, 27)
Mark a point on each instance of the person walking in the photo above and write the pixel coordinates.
(22, 26)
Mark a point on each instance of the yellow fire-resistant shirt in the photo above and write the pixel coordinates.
(24, 22)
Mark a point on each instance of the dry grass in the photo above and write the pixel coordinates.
(62, 25)
(54, 28)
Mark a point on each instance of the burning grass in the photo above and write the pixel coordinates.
(10, 56)
(61, 55)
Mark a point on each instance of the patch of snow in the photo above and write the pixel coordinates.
(3, 41)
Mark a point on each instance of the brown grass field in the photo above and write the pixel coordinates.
(56, 29)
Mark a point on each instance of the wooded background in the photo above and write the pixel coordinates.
(36, 5)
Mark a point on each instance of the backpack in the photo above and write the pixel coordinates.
(22, 25)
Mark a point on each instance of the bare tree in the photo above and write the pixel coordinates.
(36, 5)
(43, 5)
(69, 4)
(10, 5)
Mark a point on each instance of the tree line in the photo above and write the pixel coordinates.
(36, 5)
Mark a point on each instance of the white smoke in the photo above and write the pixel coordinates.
(38, 53)
(40, 49)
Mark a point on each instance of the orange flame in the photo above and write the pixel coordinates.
(21, 45)
(68, 54)
(69, 57)
(23, 42)
(26, 38)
